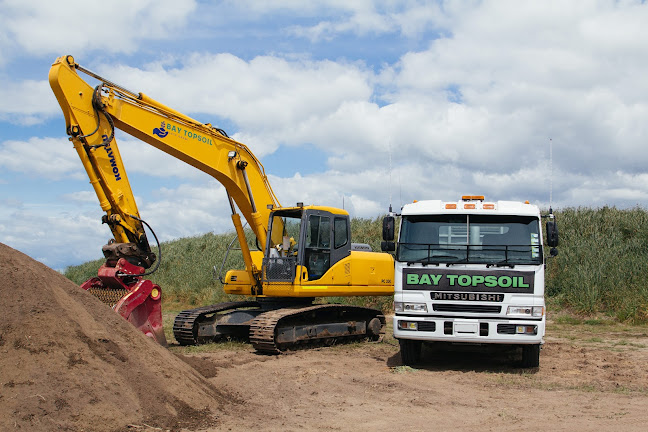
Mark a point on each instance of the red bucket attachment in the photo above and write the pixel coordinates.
(137, 300)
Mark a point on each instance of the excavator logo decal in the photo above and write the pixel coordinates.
(166, 128)
(161, 131)
(111, 158)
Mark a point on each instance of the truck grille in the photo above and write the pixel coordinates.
(506, 329)
(466, 308)
(426, 326)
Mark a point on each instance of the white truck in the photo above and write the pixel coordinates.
(470, 272)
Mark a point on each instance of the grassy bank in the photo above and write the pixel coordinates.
(600, 269)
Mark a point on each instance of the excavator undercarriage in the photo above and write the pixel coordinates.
(273, 325)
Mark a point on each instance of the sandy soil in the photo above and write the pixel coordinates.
(67, 362)
(584, 383)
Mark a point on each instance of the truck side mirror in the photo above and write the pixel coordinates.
(552, 233)
(388, 246)
(388, 228)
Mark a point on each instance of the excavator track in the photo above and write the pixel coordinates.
(186, 323)
(290, 328)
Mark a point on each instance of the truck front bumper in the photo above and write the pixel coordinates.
(469, 330)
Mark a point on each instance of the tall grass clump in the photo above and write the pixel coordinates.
(82, 272)
(190, 268)
(602, 262)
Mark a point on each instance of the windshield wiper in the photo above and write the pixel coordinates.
(459, 261)
(424, 261)
(502, 263)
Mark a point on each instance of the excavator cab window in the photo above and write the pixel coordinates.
(341, 232)
(283, 246)
(284, 235)
(328, 240)
(318, 246)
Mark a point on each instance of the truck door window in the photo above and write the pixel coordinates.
(318, 246)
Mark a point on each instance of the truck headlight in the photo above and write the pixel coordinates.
(409, 307)
(407, 325)
(525, 311)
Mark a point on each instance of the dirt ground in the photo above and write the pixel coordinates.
(67, 362)
(586, 382)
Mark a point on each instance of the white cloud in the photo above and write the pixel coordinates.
(360, 17)
(76, 26)
(188, 210)
(75, 224)
(80, 197)
(41, 157)
(27, 102)
(470, 113)
(52, 235)
(267, 97)
(144, 159)
(364, 191)
(531, 72)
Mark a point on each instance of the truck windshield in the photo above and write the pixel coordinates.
(489, 239)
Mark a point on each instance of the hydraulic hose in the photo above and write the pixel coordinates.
(98, 106)
(159, 259)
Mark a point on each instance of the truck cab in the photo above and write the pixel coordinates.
(470, 272)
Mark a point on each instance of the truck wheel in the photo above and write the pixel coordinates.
(530, 356)
(410, 351)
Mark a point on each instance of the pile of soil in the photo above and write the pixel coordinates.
(69, 363)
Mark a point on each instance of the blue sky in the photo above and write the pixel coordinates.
(464, 95)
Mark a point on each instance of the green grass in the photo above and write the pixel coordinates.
(602, 264)
(598, 276)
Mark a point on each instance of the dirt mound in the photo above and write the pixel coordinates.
(68, 362)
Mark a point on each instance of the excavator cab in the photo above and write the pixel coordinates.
(308, 238)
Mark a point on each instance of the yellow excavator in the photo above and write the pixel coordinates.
(304, 252)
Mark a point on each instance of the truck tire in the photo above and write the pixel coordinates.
(410, 351)
(530, 356)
